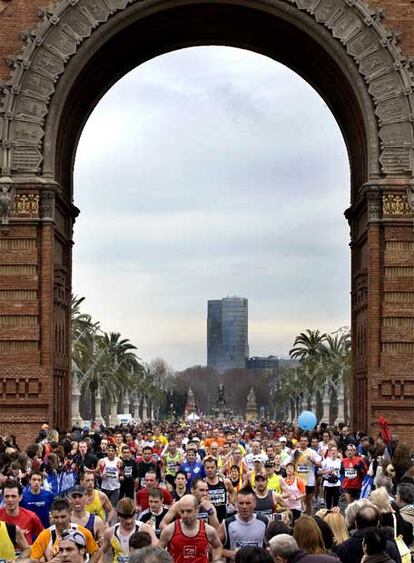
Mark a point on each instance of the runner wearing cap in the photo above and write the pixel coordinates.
(273, 480)
(79, 514)
(267, 501)
(72, 547)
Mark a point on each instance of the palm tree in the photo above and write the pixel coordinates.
(308, 344)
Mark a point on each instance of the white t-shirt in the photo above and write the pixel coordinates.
(334, 464)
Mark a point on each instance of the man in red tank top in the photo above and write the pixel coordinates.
(188, 539)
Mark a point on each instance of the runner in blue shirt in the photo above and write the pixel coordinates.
(191, 467)
(37, 499)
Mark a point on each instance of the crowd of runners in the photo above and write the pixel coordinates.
(195, 492)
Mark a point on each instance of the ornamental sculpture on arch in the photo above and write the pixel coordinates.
(72, 51)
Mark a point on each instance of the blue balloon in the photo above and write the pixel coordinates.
(307, 420)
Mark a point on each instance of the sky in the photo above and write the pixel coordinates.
(204, 173)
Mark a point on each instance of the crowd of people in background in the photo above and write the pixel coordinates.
(206, 491)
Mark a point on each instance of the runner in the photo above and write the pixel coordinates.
(116, 539)
(243, 529)
(96, 501)
(188, 538)
(46, 546)
(306, 460)
(109, 468)
(220, 491)
(79, 514)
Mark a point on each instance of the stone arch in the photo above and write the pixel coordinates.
(49, 48)
(67, 64)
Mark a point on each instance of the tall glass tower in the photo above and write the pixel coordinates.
(227, 333)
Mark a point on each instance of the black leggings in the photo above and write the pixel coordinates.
(332, 496)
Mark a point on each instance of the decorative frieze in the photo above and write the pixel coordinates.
(26, 205)
(395, 204)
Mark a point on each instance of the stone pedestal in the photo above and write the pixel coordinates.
(113, 420)
(98, 408)
(326, 403)
(341, 404)
(76, 417)
(136, 407)
(144, 410)
(125, 404)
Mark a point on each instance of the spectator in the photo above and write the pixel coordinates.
(308, 536)
(374, 546)
(151, 555)
(350, 551)
(337, 524)
(284, 549)
(389, 517)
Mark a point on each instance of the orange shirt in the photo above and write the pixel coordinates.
(47, 543)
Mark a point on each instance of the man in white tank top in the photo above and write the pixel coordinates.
(109, 469)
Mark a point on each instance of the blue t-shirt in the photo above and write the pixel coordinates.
(39, 504)
(193, 470)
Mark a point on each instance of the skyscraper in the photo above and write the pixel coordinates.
(227, 333)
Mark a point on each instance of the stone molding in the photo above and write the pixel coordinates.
(25, 100)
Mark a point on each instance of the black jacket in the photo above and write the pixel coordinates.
(350, 551)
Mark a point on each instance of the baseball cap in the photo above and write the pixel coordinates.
(257, 458)
(77, 490)
(260, 476)
(75, 536)
(282, 439)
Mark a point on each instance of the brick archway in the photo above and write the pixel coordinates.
(79, 49)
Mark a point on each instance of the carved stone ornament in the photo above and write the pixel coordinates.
(7, 195)
(410, 196)
(374, 206)
(35, 73)
(26, 205)
(395, 204)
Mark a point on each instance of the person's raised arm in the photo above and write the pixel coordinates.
(170, 516)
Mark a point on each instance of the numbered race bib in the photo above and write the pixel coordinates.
(128, 471)
(351, 473)
(303, 468)
(217, 496)
(239, 544)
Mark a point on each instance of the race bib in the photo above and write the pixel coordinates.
(239, 544)
(351, 473)
(217, 497)
(303, 468)
(128, 471)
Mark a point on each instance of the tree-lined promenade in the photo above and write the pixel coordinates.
(113, 379)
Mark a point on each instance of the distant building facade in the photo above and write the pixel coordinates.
(270, 363)
(227, 333)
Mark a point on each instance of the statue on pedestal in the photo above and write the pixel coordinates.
(190, 405)
(251, 407)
